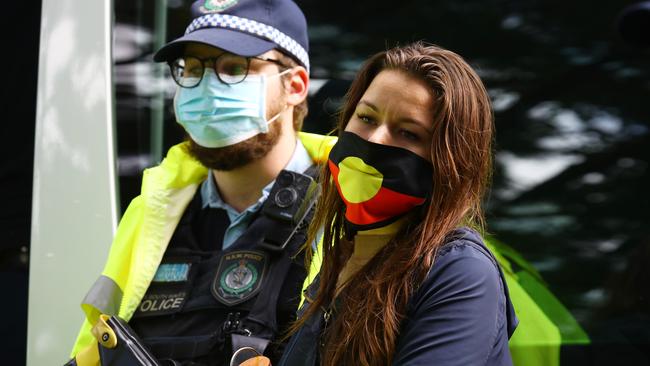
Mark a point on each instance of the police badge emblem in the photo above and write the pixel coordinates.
(239, 276)
(215, 6)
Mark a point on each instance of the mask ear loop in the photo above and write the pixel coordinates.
(272, 119)
(279, 74)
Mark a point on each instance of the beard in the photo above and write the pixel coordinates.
(240, 154)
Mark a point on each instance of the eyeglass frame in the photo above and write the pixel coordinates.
(214, 60)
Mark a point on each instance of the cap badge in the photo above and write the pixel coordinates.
(215, 6)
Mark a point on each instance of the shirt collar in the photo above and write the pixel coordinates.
(299, 162)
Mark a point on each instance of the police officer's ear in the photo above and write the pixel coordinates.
(297, 85)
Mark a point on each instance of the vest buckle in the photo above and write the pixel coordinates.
(233, 324)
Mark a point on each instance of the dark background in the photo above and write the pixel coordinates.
(18, 106)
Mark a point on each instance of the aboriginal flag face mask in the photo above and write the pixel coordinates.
(378, 183)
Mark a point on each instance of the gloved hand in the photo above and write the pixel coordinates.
(257, 361)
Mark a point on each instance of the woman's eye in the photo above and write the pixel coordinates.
(409, 135)
(365, 118)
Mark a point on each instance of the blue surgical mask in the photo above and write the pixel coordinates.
(216, 114)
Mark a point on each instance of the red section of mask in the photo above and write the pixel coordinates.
(385, 205)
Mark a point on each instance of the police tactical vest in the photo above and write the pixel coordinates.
(205, 302)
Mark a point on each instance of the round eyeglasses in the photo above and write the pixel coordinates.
(188, 71)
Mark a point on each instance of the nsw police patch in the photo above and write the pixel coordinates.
(239, 276)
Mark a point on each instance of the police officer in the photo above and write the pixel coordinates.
(187, 268)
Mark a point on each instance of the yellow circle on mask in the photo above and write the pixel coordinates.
(359, 181)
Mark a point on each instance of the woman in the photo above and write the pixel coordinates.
(406, 280)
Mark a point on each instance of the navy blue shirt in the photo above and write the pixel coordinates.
(460, 315)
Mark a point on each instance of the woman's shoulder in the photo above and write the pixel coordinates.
(462, 262)
(462, 243)
(462, 304)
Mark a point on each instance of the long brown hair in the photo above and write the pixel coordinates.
(369, 310)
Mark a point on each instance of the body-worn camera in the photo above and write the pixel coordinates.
(291, 198)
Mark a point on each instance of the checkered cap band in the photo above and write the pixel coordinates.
(268, 32)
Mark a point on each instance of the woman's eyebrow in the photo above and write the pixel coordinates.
(403, 119)
(368, 104)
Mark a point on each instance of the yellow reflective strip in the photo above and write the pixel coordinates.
(104, 296)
